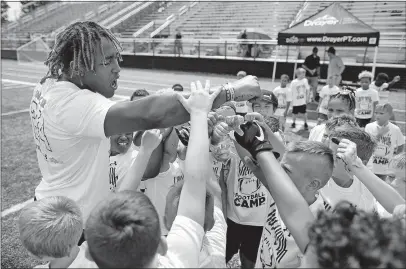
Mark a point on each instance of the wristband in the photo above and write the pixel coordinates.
(230, 92)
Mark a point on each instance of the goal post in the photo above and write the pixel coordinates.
(34, 51)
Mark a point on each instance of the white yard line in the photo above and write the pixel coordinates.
(16, 208)
(34, 84)
(15, 112)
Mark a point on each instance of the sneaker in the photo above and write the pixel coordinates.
(293, 125)
(306, 127)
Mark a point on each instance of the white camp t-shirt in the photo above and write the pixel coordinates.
(120, 165)
(82, 260)
(184, 244)
(157, 189)
(300, 91)
(357, 194)
(72, 148)
(387, 144)
(325, 94)
(379, 89)
(213, 252)
(247, 198)
(317, 133)
(364, 100)
(284, 96)
(277, 248)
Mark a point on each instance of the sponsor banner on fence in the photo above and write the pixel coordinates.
(347, 40)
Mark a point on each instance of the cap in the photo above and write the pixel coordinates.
(331, 50)
(177, 87)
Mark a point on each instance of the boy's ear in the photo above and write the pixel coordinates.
(314, 185)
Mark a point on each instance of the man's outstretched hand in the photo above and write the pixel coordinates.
(246, 89)
(253, 139)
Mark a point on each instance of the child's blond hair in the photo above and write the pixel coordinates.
(365, 74)
(50, 227)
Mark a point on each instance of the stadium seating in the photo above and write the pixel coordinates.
(387, 17)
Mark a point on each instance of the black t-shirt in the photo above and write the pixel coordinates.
(312, 63)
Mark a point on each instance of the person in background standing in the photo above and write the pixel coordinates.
(312, 67)
(178, 42)
(335, 67)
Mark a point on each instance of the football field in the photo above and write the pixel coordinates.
(19, 170)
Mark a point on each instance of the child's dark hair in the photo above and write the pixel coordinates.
(177, 87)
(382, 76)
(353, 238)
(139, 93)
(347, 94)
(77, 43)
(285, 76)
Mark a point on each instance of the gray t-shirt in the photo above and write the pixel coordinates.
(334, 66)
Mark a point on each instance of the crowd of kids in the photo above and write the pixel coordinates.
(216, 183)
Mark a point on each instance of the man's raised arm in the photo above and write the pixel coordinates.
(161, 111)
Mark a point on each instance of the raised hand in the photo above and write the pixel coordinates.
(234, 122)
(347, 152)
(246, 88)
(199, 101)
(251, 116)
(151, 139)
(212, 119)
(254, 139)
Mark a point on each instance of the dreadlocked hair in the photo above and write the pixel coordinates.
(77, 43)
(347, 94)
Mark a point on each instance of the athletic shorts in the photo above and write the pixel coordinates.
(243, 237)
(363, 122)
(299, 109)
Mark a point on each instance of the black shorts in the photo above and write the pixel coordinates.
(243, 237)
(363, 122)
(82, 237)
(299, 109)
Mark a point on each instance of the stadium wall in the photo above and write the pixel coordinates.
(227, 66)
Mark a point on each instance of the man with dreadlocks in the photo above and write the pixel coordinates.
(72, 116)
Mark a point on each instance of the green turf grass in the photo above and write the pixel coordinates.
(17, 98)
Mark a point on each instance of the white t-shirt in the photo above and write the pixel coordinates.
(184, 244)
(317, 133)
(120, 165)
(387, 144)
(381, 88)
(357, 194)
(157, 189)
(364, 100)
(213, 253)
(72, 148)
(277, 247)
(247, 198)
(325, 94)
(300, 91)
(284, 96)
(82, 260)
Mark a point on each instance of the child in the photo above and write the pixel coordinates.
(139, 94)
(344, 185)
(300, 96)
(366, 100)
(212, 253)
(343, 103)
(381, 82)
(325, 94)
(390, 140)
(266, 105)
(284, 96)
(50, 229)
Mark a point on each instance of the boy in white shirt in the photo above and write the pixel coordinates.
(381, 82)
(343, 185)
(130, 224)
(284, 96)
(366, 100)
(50, 229)
(325, 94)
(390, 140)
(300, 96)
